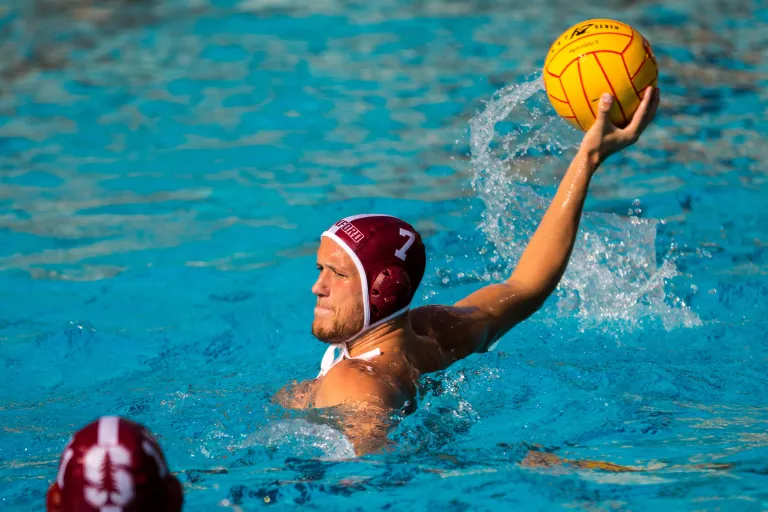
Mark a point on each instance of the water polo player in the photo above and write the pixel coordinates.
(114, 465)
(370, 267)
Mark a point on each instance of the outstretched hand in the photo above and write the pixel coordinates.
(604, 139)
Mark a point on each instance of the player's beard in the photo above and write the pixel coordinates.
(339, 327)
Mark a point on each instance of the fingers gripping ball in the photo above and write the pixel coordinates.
(595, 57)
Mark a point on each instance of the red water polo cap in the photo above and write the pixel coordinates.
(390, 257)
(114, 465)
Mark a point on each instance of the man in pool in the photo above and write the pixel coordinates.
(370, 267)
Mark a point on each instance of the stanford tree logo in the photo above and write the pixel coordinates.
(106, 470)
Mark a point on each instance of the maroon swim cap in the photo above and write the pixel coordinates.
(114, 465)
(390, 257)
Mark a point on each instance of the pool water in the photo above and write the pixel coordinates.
(166, 168)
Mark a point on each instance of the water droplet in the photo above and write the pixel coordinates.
(614, 273)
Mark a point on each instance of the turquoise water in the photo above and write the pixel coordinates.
(166, 168)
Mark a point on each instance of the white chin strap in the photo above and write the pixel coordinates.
(330, 359)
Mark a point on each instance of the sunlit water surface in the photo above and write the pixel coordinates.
(166, 168)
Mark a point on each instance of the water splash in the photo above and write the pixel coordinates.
(299, 437)
(516, 145)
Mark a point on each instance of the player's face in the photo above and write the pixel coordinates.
(339, 306)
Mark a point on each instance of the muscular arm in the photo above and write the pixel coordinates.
(544, 260)
(479, 320)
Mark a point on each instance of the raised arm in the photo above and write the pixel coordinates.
(479, 320)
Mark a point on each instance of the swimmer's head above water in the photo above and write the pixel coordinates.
(370, 267)
(114, 465)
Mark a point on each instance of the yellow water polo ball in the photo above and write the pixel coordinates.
(595, 57)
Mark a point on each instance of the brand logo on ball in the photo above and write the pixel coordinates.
(578, 31)
(355, 234)
(110, 482)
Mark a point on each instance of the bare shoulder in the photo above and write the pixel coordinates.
(457, 331)
(358, 381)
